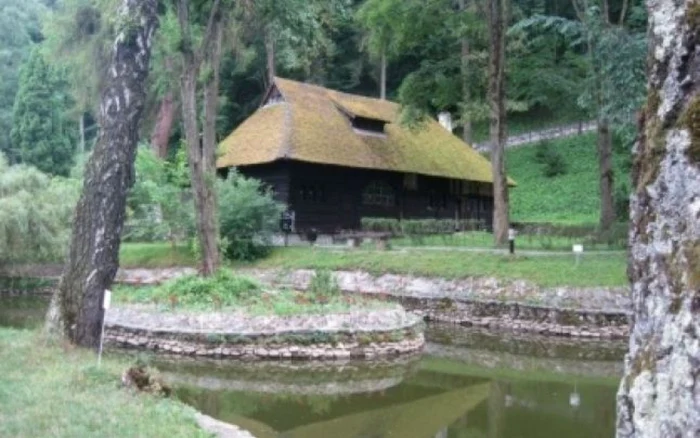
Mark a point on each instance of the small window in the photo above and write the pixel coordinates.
(312, 193)
(380, 194)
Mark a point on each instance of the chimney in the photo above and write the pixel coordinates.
(445, 120)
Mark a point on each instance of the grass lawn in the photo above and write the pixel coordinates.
(572, 198)
(594, 270)
(481, 239)
(49, 390)
(555, 270)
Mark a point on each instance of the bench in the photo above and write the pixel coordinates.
(355, 238)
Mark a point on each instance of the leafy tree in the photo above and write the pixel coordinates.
(613, 54)
(35, 213)
(19, 29)
(79, 35)
(40, 133)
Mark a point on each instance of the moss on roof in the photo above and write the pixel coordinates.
(311, 125)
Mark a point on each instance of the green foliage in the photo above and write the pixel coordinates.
(35, 214)
(41, 135)
(553, 163)
(19, 30)
(159, 206)
(248, 216)
(569, 198)
(323, 284)
(225, 290)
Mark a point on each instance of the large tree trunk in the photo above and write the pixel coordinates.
(498, 120)
(160, 138)
(606, 176)
(659, 395)
(464, 72)
(93, 259)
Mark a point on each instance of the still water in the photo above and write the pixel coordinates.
(468, 384)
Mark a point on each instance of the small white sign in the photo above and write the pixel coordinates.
(578, 249)
(107, 300)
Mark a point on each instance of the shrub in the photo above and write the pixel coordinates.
(221, 289)
(248, 217)
(159, 208)
(552, 160)
(323, 284)
(35, 213)
(622, 202)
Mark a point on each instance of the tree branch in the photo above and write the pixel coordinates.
(212, 24)
(623, 13)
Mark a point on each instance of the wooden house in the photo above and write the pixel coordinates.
(334, 158)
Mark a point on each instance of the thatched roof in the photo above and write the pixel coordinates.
(313, 124)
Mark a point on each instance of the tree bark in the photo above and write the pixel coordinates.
(606, 175)
(164, 126)
(81, 127)
(93, 259)
(270, 52)
(659, 396)
(498, 120)
(464, 72)
(201, 150)
(382, 76)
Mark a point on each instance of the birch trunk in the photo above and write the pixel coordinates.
(498, 120)
(93, 259)
(659, 396)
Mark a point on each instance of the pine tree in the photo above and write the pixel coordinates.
(41, 136)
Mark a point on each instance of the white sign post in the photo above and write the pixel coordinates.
(106, 302)
(578, 251)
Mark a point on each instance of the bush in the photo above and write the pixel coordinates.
(324, 285)
(221, 289)
(159, 207)
(622, 202)
(248, 217)
(35, 213)
(552, 160)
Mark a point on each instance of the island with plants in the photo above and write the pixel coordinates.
(230, 316)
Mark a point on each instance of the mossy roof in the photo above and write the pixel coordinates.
(313, 124)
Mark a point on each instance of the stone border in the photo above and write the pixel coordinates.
(374, 333)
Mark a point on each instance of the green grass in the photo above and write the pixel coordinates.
(480, 239)
(154, 255)
(594, 270)
(572, 198)
(50, 390)
(228, 292)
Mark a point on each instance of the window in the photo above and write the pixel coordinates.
(315, 193)
(379, 193)
(368, 125)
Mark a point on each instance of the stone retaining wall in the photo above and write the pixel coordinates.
(350, 347)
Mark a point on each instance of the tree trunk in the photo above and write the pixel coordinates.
(164, 126)
(382, 76)
(498, 120)
(270, 52)
(659, 395)
(466, 92)
(81, 127)
(607, 207)
(93, 259)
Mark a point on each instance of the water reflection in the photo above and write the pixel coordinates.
(470, 384)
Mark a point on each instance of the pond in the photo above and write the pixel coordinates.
(468, 384)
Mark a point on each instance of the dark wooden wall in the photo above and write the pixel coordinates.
(330, 198)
